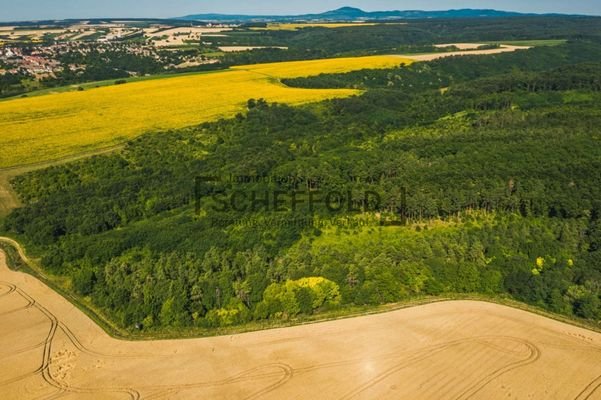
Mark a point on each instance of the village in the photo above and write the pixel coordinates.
(39, 53)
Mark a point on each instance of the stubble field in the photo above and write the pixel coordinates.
(450, 350)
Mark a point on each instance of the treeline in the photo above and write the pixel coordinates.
(269, 55)
(100, 63)
(444, 72)
(536, 260)
(103, 65)
(11, 84)
(576, 77)
(508, 174)
(539, 261)
(316, 42)
(413, 36)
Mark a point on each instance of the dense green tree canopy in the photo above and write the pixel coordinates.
(500, 172)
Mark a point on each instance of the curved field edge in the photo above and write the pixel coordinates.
(9, 199)
(18, 261)
(48, 127)
(63, 124)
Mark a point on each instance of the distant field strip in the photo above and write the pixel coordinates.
(293, 27)
(297, 69)
(532, 43)
(49, 127)
(435, 56)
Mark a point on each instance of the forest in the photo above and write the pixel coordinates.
(11, 84)
(416, 36)
(493, 161)
(441, 73)
(411, 37)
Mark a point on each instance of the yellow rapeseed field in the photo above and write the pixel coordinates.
(295, 69)
(48, 127)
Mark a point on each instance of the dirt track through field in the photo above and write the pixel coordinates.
(453, 350)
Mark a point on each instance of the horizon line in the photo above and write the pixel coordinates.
(542, 14)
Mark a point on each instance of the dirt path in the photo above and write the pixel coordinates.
(454, 350)
(436, 56)
(9, 199)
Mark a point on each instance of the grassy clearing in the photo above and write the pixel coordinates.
(9, 199)
(532, 43)
(49, 127)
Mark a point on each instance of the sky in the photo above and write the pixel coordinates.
(19, 10)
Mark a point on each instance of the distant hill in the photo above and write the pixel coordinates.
(355, 14)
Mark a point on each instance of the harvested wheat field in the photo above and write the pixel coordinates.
(179, 36)
(466, 50)
(448, 350)
(53, 126)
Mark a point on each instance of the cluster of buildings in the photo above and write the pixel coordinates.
(38, 61)
(44, 61)
(23, 52)
(15, 60)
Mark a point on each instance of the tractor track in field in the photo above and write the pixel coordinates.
(590, 389)
(266, 378)
(533, 356)
(280, 373)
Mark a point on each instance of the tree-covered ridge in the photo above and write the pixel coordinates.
(90, 62)
(413, 36)
(445, 72)
(505, 163)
